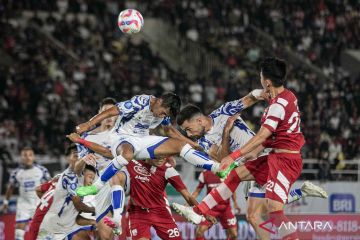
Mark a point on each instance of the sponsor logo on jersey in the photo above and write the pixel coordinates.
(142, 171)
(142, 178)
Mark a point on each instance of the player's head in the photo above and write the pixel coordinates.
(192, 121)
(89, 175)
(167, 105)
(71, 154)
(27, 156)
(104, 105)
(272, 73)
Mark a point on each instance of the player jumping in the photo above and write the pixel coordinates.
(225, 126)
(280, 131)
(136, 117)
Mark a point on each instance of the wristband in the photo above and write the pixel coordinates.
(84, 143)
(235, 155)
(5, 202)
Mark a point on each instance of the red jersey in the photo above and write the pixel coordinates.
(282, 118)
(45, 203)
(211, 181)
(148, 183)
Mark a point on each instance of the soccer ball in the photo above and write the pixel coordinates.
(130, 21)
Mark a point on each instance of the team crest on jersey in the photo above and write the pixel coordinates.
(134, 232)
(142, 171)
(128, 104)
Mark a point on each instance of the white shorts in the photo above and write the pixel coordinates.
(143, 147)
(24, 211)
(256, 191)
(102, 200)
(51, 235)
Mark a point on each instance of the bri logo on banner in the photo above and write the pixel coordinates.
(340, 202)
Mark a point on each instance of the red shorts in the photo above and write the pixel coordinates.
(226, 218)
(140, 222)
(279, 171)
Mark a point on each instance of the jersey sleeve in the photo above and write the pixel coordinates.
(201, 181)
(13, 179)
(173, 177)
(70, 183)
(45, 186)
(166, 121)
(82, 151)
(275, 114)
(132, 106)
(46, 175)
(229, 108)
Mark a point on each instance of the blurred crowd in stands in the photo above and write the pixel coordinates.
(45, 91)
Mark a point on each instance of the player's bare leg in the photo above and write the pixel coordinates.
(231, 233)
(82, 235)
(276, 213)
(104, 231)
(257, 210)
(200, 230)
(20, 230)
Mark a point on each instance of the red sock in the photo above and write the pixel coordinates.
(279, 219)
(223, 192)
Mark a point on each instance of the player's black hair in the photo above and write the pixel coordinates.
(275, 70)
(90, 167)
(172, 101)
(26, 148)
(187, 113)
(70, 148)
(106, 101)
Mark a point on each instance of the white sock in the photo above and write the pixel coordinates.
(19, 234)
(117, 201)
(294, 195)
(199, 159)
(114, 166)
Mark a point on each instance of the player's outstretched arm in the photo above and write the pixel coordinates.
(80, 206)
(41, 189)
(253, 97)
(190, 199)
(74, 137)
(98, 118)
(196, 192)
(224, 148)
(89, 159)
(252, 144)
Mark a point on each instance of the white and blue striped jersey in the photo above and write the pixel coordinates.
(136, 118)
(240, 133)
(27, 179)
(62, 213)
(105, 139)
